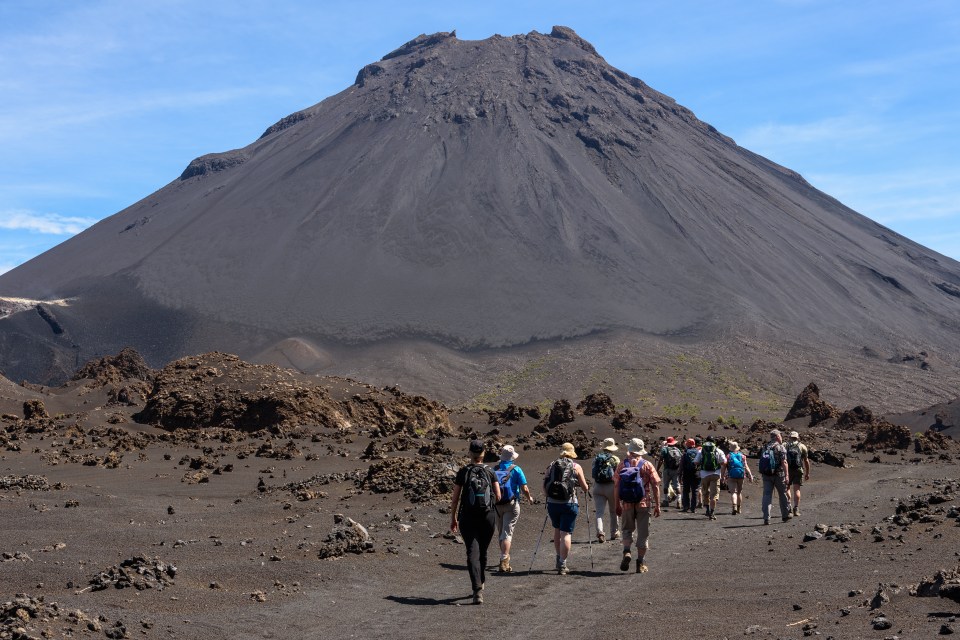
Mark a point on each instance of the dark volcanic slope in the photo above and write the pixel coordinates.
(484, 193)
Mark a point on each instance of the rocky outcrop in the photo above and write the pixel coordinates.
(809, 403)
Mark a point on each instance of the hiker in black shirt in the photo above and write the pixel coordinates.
(475, 492)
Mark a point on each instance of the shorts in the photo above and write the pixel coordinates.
(710, 487)
(735, 485)
(507, 516)
(796, 477)
(563, 515)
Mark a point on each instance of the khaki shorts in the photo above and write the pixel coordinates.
(507, 516)
(735, 485)
(710, 487)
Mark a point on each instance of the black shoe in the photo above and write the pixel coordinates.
(625, 562)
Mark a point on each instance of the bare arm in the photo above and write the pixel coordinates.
(454, 503)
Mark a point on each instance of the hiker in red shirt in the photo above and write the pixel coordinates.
(637, 496)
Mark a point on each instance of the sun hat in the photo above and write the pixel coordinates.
(670, 440)
(794, 434)
(690, 443)
(476, 446)
(733, 445)
(636, 446)
(567, 451)
(508, 453)
(609, 444)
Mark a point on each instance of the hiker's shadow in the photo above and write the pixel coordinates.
(420, 601)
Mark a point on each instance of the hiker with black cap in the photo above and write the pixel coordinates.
(776, 476)
(475, 492)
(669, 461)
(513, 485)
(560, 482)
(798, 461)
(637, 493)
(604, 465)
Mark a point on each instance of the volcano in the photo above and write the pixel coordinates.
(477, 195)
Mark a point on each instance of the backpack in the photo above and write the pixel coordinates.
(477, 490)
(794, 456)
(672, 457)
(735, 465)
(507, 493)
(769, 460)
(709, 460)
(562, 480)
(631, 482)
(603, 468)
(689, 460)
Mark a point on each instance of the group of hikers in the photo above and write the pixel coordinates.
(687, 475)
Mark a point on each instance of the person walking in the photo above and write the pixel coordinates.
(604, 466)
(669, 461)
(737, 470)
(637, 494)
(513, 486)
(475, 492)
(560, 482)
(689, 476)
(798, 461)
(713, 465)
(776, 476)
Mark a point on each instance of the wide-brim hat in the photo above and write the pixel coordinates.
(670, 440)
(609, 444)
(794, 434)
(508, 453)
(636, 446)
(690, 443)
(733, 445)
(567, 451)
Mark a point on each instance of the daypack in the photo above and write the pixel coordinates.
(603, 468)
(769, 460)
(507, 493)
(794, 456)
(477, 490)
(672, 456)
(689, 460)
(631, 482)
(709, 460)
(562, 480)
(735, 465)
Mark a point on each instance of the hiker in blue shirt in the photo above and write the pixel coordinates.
(513, 484)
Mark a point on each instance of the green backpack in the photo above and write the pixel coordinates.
(709, 460)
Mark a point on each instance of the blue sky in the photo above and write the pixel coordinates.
(105, 101)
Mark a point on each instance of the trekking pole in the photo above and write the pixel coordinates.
(537, 548)
(589, 533)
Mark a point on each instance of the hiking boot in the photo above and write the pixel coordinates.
(559, 563)
(625, 562)
(505, 565)
(712, 517)
(796, 511)
(478, 596)
(733, 511)
(600, 537)
(563, 570)
(615, 536)
(787, 518)
(766, 521)
(641, 568)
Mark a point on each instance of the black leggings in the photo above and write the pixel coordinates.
(477, 530)
(691, 489)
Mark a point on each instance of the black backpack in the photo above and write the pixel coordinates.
(603, 468)
(561, 480)
(672, 456)
(794, 456)
(477, 489)
(689, 457)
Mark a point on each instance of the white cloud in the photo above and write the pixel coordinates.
(48, 223)
(845, 129)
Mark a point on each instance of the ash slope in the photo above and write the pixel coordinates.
(484, 194)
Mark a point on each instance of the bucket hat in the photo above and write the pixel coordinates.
(508, 453)
(636, 446)
(567, 451)
(670, 440)
(609, 444)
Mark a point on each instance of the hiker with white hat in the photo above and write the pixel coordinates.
(637, 494)
(604, 467)
(513, 484)
(798, 460)
(560, 482)
(737, 470)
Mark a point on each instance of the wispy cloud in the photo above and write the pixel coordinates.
(841, 129)
(48, 223)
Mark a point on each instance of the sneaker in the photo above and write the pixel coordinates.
(600, 537)
(787, 518)
(478, 596)
(641, 568)
(615, 536)
(563, 570)
(625, 562)
(712, 517)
